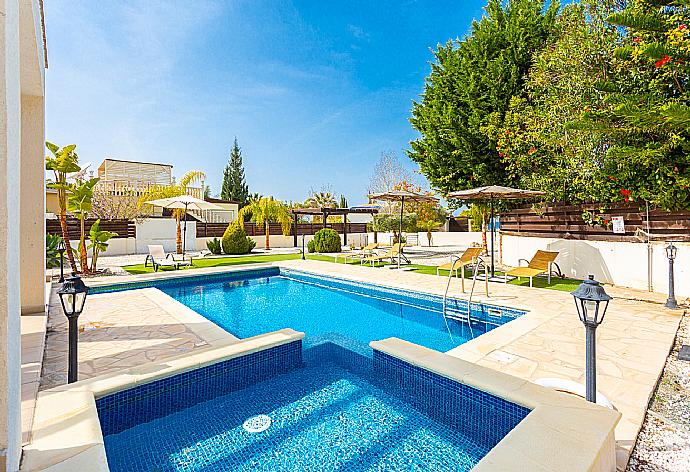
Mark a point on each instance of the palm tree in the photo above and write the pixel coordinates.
(320, 200)
(266, 210)
(157, 192)
(63, 161)
(80, 203)
(429, 226)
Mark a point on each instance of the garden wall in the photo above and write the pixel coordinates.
(616, 262)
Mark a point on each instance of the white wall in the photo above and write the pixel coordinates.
(163, 231)
(440, 238)
(116, 247)
(623, 264)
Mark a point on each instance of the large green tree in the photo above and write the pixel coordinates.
(532, 139)
(471, 84)
(234, 184)
(645, 117)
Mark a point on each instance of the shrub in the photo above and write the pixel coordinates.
(310, 246)
(326, 240)
(235, 240)
(52, 254)
(214, 246)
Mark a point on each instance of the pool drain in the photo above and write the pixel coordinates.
(257, 424)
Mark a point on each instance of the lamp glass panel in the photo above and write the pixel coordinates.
(79, 299)
(69, 300)
(590, 310)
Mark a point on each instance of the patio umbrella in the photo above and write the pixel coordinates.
(401, 196)
(184, 202)
(490, 193)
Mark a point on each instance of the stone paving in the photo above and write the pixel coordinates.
(121, 330)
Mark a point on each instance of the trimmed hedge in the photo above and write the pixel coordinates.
(235, 240)
(325, 240)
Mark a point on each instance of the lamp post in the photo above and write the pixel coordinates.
(671, 251)
(61, 250)
(588, 299)
(303, 257)
(72, 297)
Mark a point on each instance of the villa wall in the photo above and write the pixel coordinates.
(21, 179)
(439, 238)
(619, 263)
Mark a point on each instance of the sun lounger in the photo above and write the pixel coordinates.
(541, 263)
(391, 254)
(159, 258)
(367, 250)
(467, 258)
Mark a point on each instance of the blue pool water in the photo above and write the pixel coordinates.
(347, 313)
(332, 412)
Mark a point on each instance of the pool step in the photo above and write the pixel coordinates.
(457, 315)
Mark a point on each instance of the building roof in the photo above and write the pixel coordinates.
(219, 200)
(133, 162)
(334, 211)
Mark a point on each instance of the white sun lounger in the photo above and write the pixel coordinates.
(159, 258)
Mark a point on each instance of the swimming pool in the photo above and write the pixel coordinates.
(328, 401)
(270, 411)
(330, 309)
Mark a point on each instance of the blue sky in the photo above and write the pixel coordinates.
(313, 90)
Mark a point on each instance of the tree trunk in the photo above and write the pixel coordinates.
(428, 236)
(83, 257)
(268, 236)
(65, 239)
(178, 237)
(94, 258)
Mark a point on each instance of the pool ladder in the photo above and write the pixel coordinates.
(479, 262)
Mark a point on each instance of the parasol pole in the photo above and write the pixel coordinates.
(400, 248)
(184, 235)
(493, 225)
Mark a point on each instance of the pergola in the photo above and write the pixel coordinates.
(325, 212)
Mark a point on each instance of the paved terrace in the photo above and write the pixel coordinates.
(126, 329)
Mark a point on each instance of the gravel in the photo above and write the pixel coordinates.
(664, 441)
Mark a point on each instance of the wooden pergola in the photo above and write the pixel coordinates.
(325, 212)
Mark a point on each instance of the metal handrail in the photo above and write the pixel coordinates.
(478, 261)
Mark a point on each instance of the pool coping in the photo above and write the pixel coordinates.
(562, 432)
(67, 433)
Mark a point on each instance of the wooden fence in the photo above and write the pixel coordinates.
(123, 228)
(566, 222)
(216, 230)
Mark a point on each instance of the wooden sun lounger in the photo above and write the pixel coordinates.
(543, 262)
(391, 254)
(468, 258)
(367, 250)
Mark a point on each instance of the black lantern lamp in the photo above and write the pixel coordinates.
(72, 297)
(591, 301)
(61, 249)
(671, 252)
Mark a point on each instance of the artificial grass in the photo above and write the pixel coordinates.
(566, 285)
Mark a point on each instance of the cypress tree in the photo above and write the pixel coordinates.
(234, 184)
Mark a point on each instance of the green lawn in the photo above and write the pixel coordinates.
(567, 285)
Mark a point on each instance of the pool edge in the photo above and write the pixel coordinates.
(562, 432)
(67, 433)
